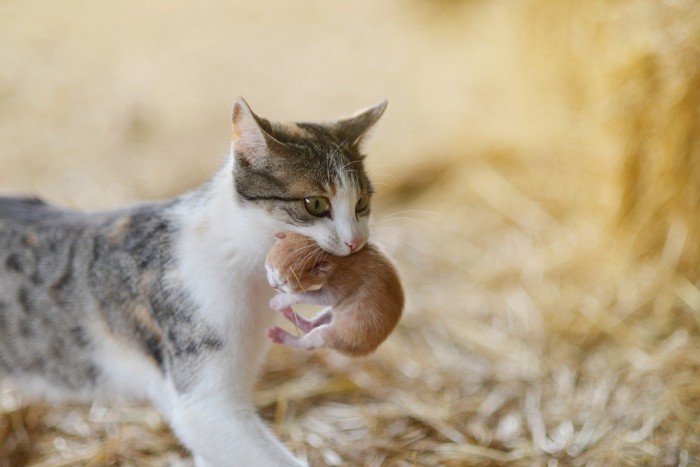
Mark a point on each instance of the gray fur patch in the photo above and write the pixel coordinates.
(62, 272)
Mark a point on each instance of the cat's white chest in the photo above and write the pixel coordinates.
(220, 256)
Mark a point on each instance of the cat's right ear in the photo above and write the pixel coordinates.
(354, 129)
(251, 143)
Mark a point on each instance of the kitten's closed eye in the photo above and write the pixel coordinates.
(323, 269)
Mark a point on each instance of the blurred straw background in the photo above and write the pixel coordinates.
(539, 185)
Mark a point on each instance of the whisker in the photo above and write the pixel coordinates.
(385, 164)
(423, 245)
(350, 163)
(313, 255)
(394, 228)
(399, 218)
(303, 248)
(338, 146)
(385, 174)
(306, 255)
(297, 279)
(417, 211)
(296, 323)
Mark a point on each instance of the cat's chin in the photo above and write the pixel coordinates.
(342, 251)
(336, 251)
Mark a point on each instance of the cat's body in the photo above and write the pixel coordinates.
(363, 291)
(168, 301)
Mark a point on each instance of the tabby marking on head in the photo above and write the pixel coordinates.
(309, 176)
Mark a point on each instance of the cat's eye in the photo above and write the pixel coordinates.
(318, 206)
(362, 203)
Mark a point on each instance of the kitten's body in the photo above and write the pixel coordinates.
(169, 301)
(363, 290)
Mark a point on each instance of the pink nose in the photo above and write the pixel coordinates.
(354, 245)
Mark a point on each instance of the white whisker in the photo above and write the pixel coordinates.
(417, 211)
(398, 218)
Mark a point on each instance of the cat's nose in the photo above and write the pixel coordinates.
(355, 244)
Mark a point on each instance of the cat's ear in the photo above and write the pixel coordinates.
(251, 143)
(353, 129)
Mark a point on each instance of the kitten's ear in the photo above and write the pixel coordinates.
(353, 129)
(251, 142)
(281, 235)
(323, 268)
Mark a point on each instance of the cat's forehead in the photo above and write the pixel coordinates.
(322, 156)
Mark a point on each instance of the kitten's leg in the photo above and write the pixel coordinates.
(311, 341)
(315, 297)
(305, 325)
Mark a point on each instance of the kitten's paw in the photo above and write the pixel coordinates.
(298, 321)
(277, 334)
(280, 301)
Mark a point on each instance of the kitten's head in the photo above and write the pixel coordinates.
(296, 264)
(309, 177)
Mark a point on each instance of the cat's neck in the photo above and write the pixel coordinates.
(217, 225)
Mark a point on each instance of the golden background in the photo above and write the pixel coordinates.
(539, 183)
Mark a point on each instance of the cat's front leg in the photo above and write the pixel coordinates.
(224, 430)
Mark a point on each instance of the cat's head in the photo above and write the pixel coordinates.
(308, 177)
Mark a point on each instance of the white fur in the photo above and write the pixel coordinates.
(221, 253)
(334, 235)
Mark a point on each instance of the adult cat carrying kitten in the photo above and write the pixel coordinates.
(169, 301)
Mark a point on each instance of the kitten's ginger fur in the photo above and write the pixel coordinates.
(363, 290)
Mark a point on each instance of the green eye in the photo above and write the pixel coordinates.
(362, 203)
(318, 206)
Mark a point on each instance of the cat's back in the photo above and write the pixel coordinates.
(68, 276)
(22, 210)
(26, 212)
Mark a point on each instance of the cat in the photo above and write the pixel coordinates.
(168, 300)
(363, 290)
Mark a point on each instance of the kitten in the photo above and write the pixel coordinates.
(363, 289)
(168, 300)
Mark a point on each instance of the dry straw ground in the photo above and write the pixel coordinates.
(539, 173)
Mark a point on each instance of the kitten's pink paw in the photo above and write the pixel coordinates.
(280, 301)
(276, 334)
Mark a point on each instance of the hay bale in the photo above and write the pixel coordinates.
(657, 94)
(629, 74)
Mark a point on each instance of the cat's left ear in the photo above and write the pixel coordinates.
(251, 143)
(354, 129)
